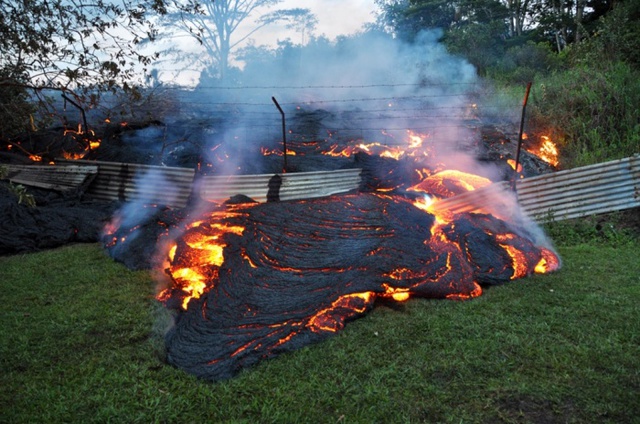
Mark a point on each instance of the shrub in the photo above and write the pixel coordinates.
(590, 112)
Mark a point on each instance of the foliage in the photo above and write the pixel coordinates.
(616, 38)
(62, 45)
(479, 43)
(524, 63)
(614, 230)
(23, 196)
(16, 109)
(79, 48)
(591, 112)
(215, 24)
(82, 342)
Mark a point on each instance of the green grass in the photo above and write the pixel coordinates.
(80, 344)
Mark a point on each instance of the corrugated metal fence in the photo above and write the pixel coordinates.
(127, 182)
(175, 186)
(291, 186)
(573, 193)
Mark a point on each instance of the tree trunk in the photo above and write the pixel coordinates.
(578, 20)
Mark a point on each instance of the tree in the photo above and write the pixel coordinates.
(215, 25)
(78, 47)
(519, 14)
(60, 44)
(406, 18)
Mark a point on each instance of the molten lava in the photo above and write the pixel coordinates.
(251, 281)
(254, 281)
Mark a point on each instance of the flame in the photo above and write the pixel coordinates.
(88, 137)
(512, 164)
(547, 151)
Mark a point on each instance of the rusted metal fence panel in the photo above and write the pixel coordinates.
(289, 186)
(51, 177)
(149, 184)
(573, 193)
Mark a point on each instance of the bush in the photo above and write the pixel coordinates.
(617, 38)
(590, 112)
(16, 110)
(521, 64)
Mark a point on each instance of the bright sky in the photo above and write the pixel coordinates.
(336, 17)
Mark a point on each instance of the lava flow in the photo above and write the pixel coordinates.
(249, 281)
(269, 278)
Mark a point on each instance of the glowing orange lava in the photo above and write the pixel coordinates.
(414, 148)
(449, 183)
(200, 250)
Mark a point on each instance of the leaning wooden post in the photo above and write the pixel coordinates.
(524, 108)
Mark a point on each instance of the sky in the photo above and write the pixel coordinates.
(335, 18)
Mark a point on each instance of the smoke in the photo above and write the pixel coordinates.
(153, 190)
(392, 84)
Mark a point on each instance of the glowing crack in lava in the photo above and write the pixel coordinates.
(253, 281)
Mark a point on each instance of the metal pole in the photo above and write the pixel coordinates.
(284, 133)
(524, 108)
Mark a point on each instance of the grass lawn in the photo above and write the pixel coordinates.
(80, 343)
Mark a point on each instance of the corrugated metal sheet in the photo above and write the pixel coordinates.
(297, 185)
(145, 183)
(605, 187)
(174, 186)
(573, 193)
(600, 188)
(51, 177)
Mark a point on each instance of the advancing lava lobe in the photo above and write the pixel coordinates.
(293, 273)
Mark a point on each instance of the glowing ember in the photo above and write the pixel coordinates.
(277, 152)
(414, 148)
(88, 138)
(512, 164)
